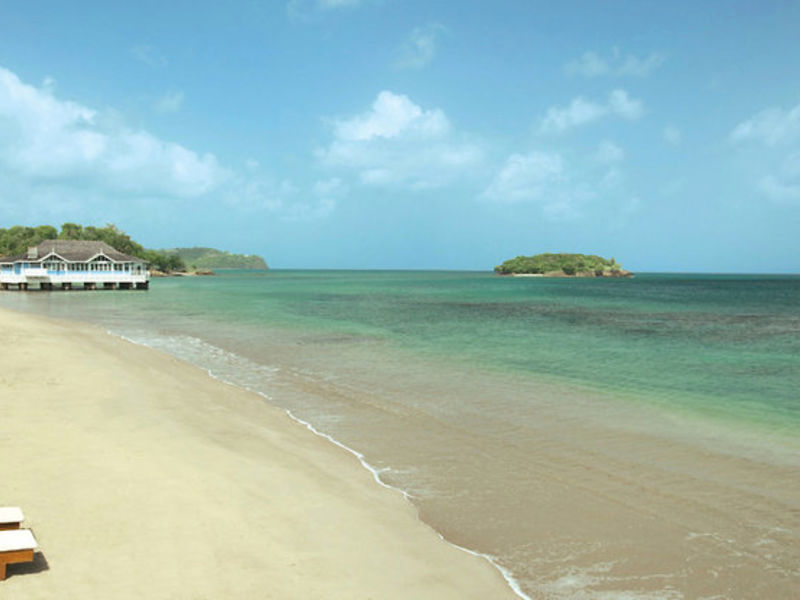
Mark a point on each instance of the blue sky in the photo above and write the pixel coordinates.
(411, 134)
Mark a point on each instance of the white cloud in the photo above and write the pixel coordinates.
(45, 138)
(622, 105)
(396, 143)
(390, 116)
(776, 131)
(581, 111)
(419, 48)
(590, 64)
(170, 102)
(525, 178)
(260, 192)
(672, 135)
(780, 191)
(578, 112)
(609, 153)
(771, 126)
(326, 194)
(283, 198)
(66, 159)
(640, 67)
(564, 187)
(783, 187)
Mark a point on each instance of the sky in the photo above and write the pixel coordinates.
(405, 134)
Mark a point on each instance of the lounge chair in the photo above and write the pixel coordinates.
(10, 517)
(16, 546)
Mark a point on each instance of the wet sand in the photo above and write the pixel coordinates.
(143, 477)
(580, 494)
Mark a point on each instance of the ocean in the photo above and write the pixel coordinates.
(595, 438)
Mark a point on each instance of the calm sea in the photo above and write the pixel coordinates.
(599, 438)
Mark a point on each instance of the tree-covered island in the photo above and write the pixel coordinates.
(562, 265)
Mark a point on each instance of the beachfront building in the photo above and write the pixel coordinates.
(73, 264)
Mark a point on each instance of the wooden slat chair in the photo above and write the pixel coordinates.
(10, 517)
(16, 546)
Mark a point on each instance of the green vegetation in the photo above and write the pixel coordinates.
(559, 265)
(211, 258)
(16, 240)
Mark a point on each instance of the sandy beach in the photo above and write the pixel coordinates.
(141, 476)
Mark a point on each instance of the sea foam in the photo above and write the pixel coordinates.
(232, 369)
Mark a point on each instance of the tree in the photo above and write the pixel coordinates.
(71, 231)
(16, 240)
(45, 232)
(569, 264)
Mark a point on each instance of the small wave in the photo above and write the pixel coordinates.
(576, 584)
(200, 354)
(218, 363)
(507, 575)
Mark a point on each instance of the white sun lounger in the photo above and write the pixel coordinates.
(10, 517)
(16, 546)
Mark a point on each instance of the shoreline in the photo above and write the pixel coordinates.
(374, 471)
(156, 448)
(651, 443)
(578, 489)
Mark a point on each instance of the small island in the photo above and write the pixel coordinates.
(562, 265)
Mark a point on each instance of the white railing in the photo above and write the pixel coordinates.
(97, 276)
(11, 277)
(42, 276)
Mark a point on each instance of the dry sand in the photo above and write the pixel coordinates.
(142, 477)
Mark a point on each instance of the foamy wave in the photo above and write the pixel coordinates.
(232, 369)
(576, 584)
(218, 363)
(507, 575)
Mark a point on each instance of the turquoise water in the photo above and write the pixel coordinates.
(721, 343)
(523, 414)
(726, 344)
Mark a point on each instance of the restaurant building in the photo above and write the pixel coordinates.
(73, 264)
